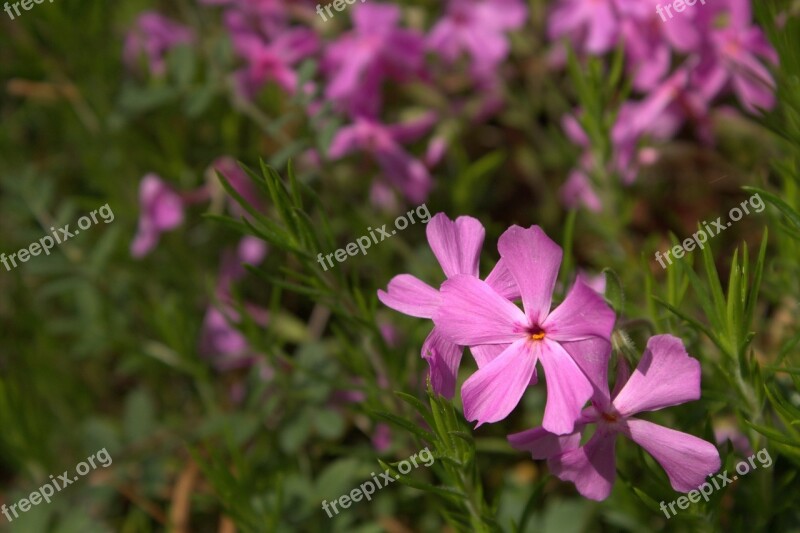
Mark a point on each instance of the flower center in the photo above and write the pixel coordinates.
(536, 333)
(609, 417)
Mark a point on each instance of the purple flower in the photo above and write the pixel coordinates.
(733, 56)
(161, 210)
(223, 342)
(592, 24)
(265, 16)
(384, 144)
(457, 246)
(274, 60)
(376, 49)
(571, 342)
(220, 339)
(477, 28)
(154, 35)
(665, 376)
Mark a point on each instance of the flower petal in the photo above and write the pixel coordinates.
(590, 467)
(410, 296)
(443, 358)
(665, 376)
(456, 245)
(542, 444)
(687, 459)
(568, 389)
(501, 280)
(592, 356)
(583, 314)
(471, 313)
(492, 392)
(533, 259)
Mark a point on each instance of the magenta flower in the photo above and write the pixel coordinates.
(384, 144)
(376, 49)
(161, 210)
(268, 17)
(272, 61)
(572, 341)
(593, 25)
(457, 246)
(220, 339)
(665, 376)
(477, 28)
(734, 54)
(154, 35)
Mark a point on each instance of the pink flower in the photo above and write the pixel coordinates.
(733, 56)
(457, 246)
(161, 210)
(223, 342)
(274, 60)
(572, 342)
(665, 376)
(220, 339)
(268, 17)
(376, 49)
(154, 35)
(384, 144)
(477, 28)
(592, 24)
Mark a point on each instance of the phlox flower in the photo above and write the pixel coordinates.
(572, 342)
(161, 209)
(477, 28)
(220, 339)
(457, 246)
(665, 376)
(733, 56)
(376, 49)
(272, 60)
(384, 143)
(154, 35)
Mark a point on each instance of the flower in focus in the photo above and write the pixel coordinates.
(665, 376)
(457, 246)
(161, 210)
(154, 35)
(572, 342)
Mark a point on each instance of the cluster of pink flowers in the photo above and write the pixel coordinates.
(273, 37)
(573, 344)
(162, 209)
(679, 68)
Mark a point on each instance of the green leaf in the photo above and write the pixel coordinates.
(614, 294)
(788, 211)
(427, 436)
